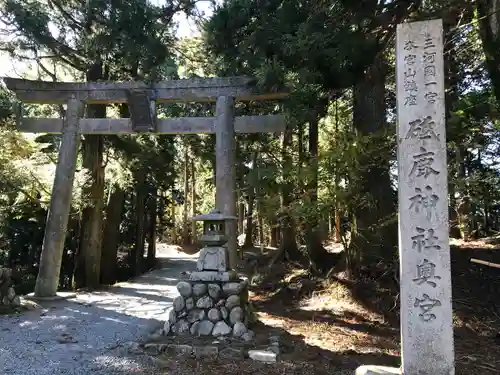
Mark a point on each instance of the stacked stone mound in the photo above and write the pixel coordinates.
(210, 308)
(8, 297)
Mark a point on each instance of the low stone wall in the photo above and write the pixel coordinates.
(8, 297)
(210, 308)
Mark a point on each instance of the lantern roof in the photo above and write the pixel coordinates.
(214, 215)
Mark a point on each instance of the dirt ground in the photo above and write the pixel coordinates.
(333, 326)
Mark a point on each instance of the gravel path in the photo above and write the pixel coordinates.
(89, 334)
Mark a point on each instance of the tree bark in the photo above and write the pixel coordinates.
(250, 207)
(288, 243)
(174, 218)
(374, 234)
(153, 213)
(114, 212)
(318, 255)
(489, 27)
(137, 254)
(274, 235)
(89, 252)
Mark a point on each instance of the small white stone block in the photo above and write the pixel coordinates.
(213, 259)
(377, 370)
(263, 356)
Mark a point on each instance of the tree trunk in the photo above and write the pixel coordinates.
(260, 221)
(153, 211)
(374, 234)
(250, 210)
(318, 255)
(161, 217)
(89, 252)
(241, 215)
(174, 218)
(288, 243)
(489, 27)
(114, 212)
(274, 235)
(137, 254)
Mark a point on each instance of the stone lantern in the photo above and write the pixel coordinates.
(214, 300)
(214, 255)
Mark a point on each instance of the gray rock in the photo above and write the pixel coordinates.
(221, 329)
(236, 315)
(190, 304)
(172, 316)
(184, 289)
(181, 327)
(224, 313)
(231, 353)
(16, 301)
(274, 340)
(195, 315)
(152, 348)
(231, 288)
(214, 291)
(200, 351)
(274, 348)
(179, 349)
(133, 347)
(205, 328)
(199, 289)
(166, 328)
(262, 356)
(248, 336)
(194, 328)
(377, 370)
(214, 315)
(11, 293)
(178, 303)
(204, 302)
(221, 302)
(232, 301)
(239, 329)
(5, 301)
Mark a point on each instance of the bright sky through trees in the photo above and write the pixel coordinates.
(186, 28)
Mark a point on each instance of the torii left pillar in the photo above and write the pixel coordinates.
(225, 170)
(60, 204)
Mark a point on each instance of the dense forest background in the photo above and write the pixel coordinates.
(330, 177)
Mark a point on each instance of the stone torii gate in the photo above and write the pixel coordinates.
(141, 98)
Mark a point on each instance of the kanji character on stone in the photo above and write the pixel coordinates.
(426, 272)
(426, 305)
(422, 129)
(422, 166)
(424, 202)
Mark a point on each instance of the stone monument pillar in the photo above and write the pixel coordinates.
(424, 252)
(214, 301)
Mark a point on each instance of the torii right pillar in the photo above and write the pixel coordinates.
(225, 170)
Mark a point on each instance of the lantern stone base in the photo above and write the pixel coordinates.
(216, 308)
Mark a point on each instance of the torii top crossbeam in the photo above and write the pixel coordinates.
(184, 90)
